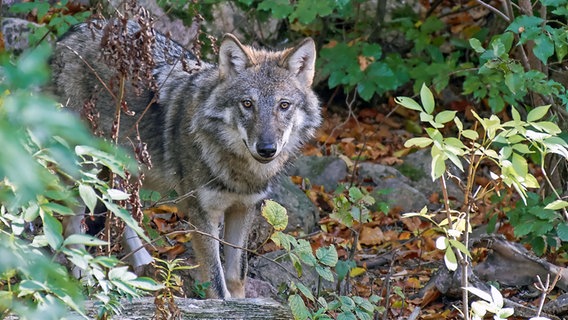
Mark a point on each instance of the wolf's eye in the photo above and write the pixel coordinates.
(284, 105)
(246, 103)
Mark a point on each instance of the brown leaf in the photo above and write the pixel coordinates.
(175, 251)
(371, 236)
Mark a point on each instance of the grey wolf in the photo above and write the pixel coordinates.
(218, 133)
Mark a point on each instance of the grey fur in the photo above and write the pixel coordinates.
(219, 134)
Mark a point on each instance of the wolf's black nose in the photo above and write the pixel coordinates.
(266, 150)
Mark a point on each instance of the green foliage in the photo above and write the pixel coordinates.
(33, 286)
(56, 16)
(355, 54)
(200, 288)
(537, 225)
(324, 261)
(166, 307)
(352, 205)
(50, 159)
(507, 145)
(504, 80)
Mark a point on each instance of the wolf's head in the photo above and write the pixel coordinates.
(268, 98)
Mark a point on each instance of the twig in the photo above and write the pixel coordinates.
(545, 289)
(217, 239)
(92, 70)
(564, 211)
(494, 10)
(462, 260)
(388, 287)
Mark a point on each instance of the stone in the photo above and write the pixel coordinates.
(303, 215)
(399, 192)
(16, 33)
(323, 171)
(422, 161)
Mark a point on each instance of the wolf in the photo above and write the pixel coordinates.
(218, 134)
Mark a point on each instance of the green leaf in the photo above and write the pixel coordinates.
(347, 304)
(537, 113)
(562, 231)
(355, 194)
(280, 9)
(470, 134)
(523, 229)
(307, 10)
(450, 259)
(343, 267)
(299, 309)
(521, 148)
(325, 273)
(366, 89)
(363, 315)
(408, 103)
(84, 239)
(113, 162)
(275, 214)
(427, 99)
(117, 195)
(372, 50)
(547, 126)
(520, 165)
(146, 284)
(52, 229)
(420, 142)
(515, 82)
(305, 291)
(89, 196)
(347, 315)
(445, 116)
(296, 263)
(557, 205)
(56, 207)
(364, 304)
(327, 255)
(460, 246)
(125, 216)
(543, 49)
(476, 45)
(438, 166)
(525, 23)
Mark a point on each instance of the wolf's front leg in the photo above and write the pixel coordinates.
(207, 253)
(238, 221)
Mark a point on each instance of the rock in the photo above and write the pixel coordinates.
(399, 193)
(230, 18)
(256, 288)
(175, 28)
(422, 160)
(16, 33)
(227, 18)
(302, 213)
(322, 171)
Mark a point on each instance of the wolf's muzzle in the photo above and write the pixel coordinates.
(266, 150)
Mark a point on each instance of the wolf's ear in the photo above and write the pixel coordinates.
(301, 61)
(233, 56)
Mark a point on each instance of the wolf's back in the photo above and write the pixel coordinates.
(80, 74)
